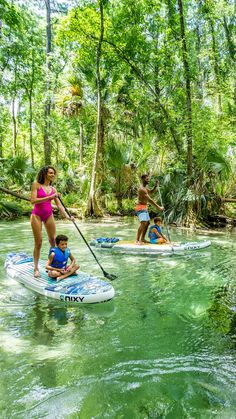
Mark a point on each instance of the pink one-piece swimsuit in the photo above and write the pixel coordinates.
(43, 209)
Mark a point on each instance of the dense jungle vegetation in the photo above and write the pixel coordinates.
(108, 90)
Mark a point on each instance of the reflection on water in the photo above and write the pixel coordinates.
(163, 348)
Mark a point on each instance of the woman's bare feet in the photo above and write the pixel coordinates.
(139, 243)
(37, 273)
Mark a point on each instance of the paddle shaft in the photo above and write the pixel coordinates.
(164, 216)
(106, 274)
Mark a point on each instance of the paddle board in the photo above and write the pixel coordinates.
(148, 248)
(81, 288)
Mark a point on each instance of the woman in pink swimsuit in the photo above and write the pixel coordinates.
(41, 196)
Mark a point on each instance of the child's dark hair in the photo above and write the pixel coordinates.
(156, 219)
(43, 172)
(61, 238)
(143, 177)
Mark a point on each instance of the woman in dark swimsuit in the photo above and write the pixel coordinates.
(41, 196)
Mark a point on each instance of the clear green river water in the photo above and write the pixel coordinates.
(164, 347)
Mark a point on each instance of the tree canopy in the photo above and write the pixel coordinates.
(106, 90)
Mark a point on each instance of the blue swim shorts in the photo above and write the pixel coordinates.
(143, 215)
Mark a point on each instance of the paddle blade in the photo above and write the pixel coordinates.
(109, 276)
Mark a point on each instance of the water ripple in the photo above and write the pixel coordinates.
(212, 377)
(173, 365)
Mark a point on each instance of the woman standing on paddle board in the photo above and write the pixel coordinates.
(41, 196)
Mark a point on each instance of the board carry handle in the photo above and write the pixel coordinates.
(106, 274)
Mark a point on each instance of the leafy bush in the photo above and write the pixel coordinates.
(72, 199)
(17, 171)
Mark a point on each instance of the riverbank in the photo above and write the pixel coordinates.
(17, 207)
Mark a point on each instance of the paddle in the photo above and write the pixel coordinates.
(106, 274)
(164, 216)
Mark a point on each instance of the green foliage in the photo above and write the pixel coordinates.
(217, 164)
(143, 94)
(175, 195)
(12, 18)
(112, 209)
(117, 156)
(71, 199)
(18, 170)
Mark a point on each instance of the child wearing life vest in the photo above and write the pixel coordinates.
(57, 260)
(155, 234)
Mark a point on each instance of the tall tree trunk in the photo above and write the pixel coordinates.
(229, 37)
(30, 97)
(216, 65)
(200, 78)
(14, 129)
(81, 144)
(92, 206)
(57, 150)
(189, 132)
(47, 110)
(232, 53)
(159, 123)
(31, 128)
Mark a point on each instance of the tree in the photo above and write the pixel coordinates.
(92, 206)
(48, 100)
(187, 74)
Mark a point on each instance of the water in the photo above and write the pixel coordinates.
(165, 347)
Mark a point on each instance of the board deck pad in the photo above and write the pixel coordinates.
(81, 288)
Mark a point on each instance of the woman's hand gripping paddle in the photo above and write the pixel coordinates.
(106, 274)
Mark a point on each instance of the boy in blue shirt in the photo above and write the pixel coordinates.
(155, 234)
(57, 261)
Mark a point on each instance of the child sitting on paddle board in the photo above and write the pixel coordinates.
(155, 234)
(58, 257)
